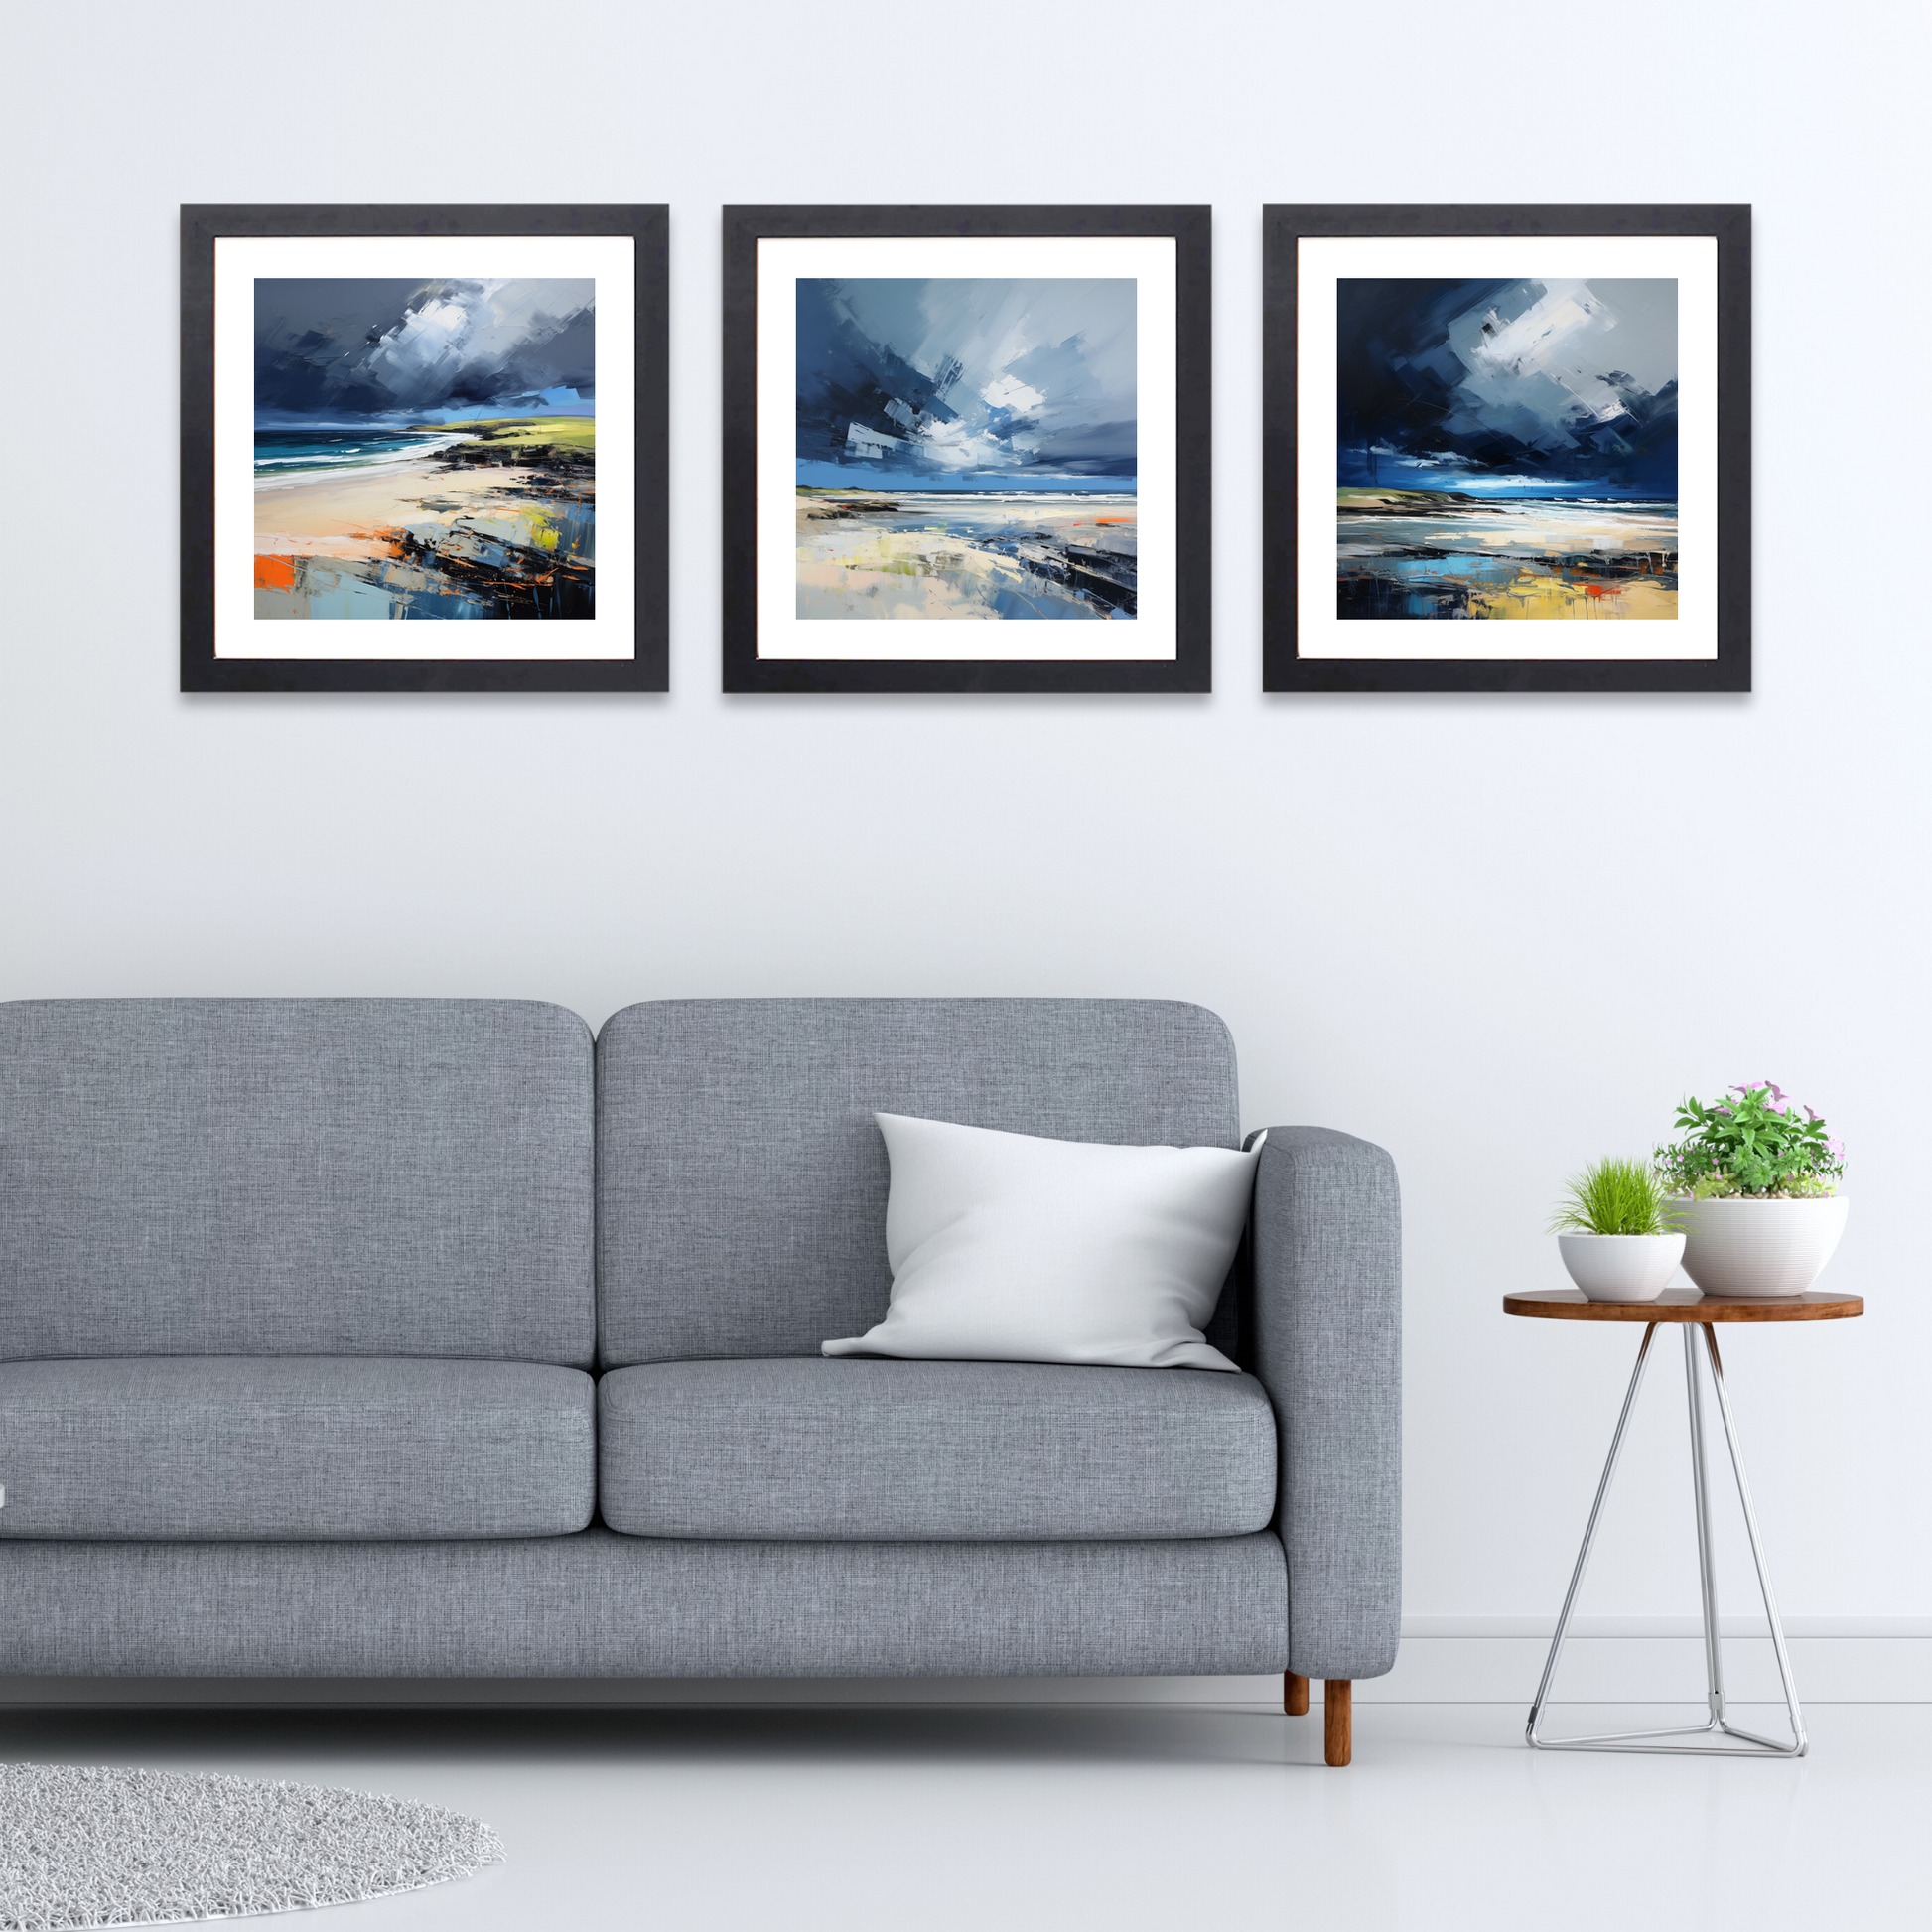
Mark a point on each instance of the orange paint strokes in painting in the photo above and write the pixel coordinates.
(275, 573)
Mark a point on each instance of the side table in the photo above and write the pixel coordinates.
(1697, 1315)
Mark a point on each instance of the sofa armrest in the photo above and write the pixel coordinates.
(1326, 1342)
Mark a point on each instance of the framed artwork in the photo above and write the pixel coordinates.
(966, 449)
(1507, 449)
(424, 449)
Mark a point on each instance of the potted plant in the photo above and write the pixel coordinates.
(1757, 1189)
(1616, 1232)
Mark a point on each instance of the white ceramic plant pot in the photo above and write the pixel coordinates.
(1622, 1267)
(1759, 1246)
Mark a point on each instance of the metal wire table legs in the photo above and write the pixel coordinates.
(1716, 1725)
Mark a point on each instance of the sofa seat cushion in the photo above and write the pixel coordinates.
(905, 1450)
(294, 1446)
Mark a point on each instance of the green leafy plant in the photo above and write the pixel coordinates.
(1755, 1146)
(1614, 1196)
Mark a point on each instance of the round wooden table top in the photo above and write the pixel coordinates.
(1687, 1305)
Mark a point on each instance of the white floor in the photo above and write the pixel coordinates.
(1068, 1818)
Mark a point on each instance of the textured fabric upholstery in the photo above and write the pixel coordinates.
(1328, 1343)
(604, 1606)
(852, 1448)
(295, 1177)
(299, 1445)
(742, 1180)
(333, 1259)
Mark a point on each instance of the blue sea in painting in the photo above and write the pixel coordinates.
(966, 447)
(280, 451)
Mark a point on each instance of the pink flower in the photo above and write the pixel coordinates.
(1835, 1147)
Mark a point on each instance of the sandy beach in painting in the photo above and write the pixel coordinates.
(1440, 554)
(493, 520)
(978, 555)
(359, 514)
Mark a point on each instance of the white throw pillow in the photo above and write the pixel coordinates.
(1006, 1248)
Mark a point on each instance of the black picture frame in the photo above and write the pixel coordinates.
(646, 669)
(1285, 669)
(1190, 670)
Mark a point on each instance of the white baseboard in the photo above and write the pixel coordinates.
(1643, 1660)
(1653, 1670)
(1444, 1660)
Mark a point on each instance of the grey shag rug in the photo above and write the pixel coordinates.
(90, 1846)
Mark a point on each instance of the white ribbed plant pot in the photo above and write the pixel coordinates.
(1759, 1246)
(1622, 1267)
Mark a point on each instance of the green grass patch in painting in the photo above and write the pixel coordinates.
(1408, 499)
(533, 432)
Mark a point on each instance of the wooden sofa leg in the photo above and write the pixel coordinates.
(1337, 1731)
(1295, 1695)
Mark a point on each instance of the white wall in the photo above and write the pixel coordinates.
(1498, 934)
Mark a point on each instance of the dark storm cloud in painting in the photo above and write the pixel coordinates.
(1565, 384)
(375, 347)
(959, 383)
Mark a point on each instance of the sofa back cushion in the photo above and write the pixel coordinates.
(741, 1179)
(294, 1178)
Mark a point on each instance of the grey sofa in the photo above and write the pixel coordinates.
(425, 1339)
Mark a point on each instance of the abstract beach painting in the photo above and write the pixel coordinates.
(967, 448)
(1506, 448)
(405, 426)
(425, 448)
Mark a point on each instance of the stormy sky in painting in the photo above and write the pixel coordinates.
(367, 349)
(1508, 386)
(961, 384)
